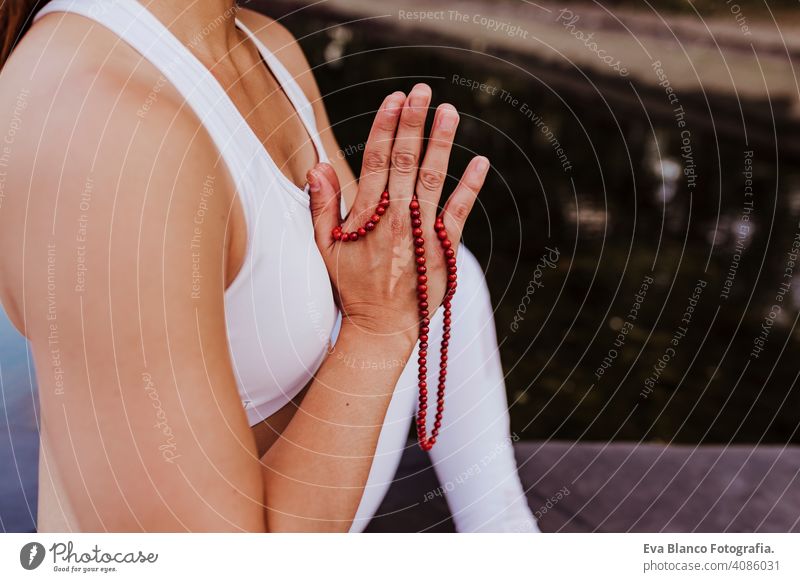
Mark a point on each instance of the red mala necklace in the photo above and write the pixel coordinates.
(425, 442)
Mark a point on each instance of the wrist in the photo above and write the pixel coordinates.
(380, 335)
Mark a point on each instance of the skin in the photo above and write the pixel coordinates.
(142, 425)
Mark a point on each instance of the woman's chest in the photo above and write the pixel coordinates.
(280, 309)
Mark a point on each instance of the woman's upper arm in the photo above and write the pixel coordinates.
(124, 278)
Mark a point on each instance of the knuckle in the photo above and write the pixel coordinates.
(459, 210)
(413, 119)
(375, 161)
(431, 179)
(397, 225)
(473, 185)
(386, 122)
(404, 162)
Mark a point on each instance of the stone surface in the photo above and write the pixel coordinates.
(626, 487)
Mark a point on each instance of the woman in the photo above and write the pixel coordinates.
(168, 210)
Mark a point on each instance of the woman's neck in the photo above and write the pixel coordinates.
(207, 27)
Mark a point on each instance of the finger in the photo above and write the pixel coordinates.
(433, 171)
(408, 146)
(325, 203)
(377, 151)
(460, 203)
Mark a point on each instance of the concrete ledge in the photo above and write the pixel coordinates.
(626, 487)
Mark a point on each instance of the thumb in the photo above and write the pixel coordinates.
(324, 202)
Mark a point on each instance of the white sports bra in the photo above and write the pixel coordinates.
(280, 310)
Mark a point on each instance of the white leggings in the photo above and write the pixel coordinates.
(474, 455)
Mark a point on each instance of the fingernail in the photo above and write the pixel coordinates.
(447, 121)
(394, 106)
(313, 181)
(483, 165)
(418, 98)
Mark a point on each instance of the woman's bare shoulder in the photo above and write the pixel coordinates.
(90, 115)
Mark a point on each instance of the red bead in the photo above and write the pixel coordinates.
(362, 232)
(426, 443)
(375, 218)
(369, 225)
(354, 235)
(337, 234)
(380, 210)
